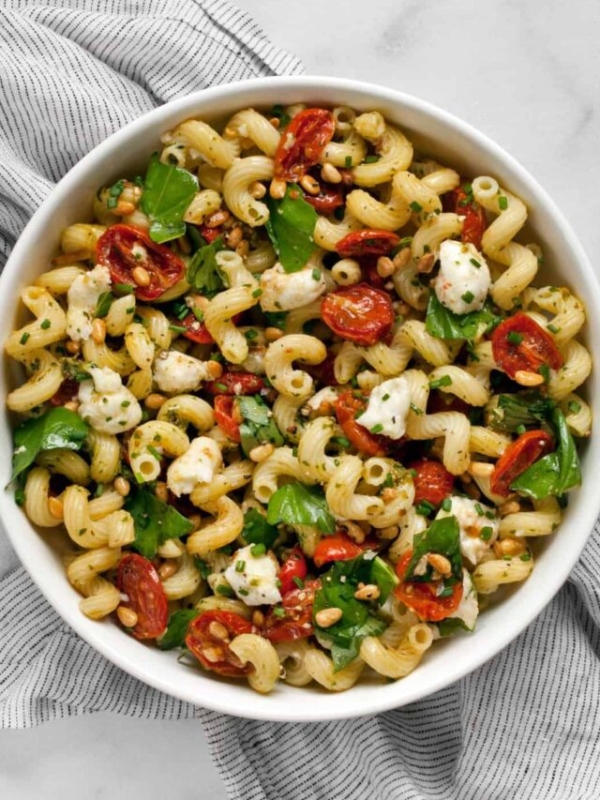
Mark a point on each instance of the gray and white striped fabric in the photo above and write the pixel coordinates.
(524, 726)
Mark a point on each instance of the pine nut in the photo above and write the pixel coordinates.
(272, 334)
(310, 185)
(425, 263)
(141, 276)
(218, 631)
(368, 592)
(277, 189)
(161, 491)
(234, 237)
(260, 453)
(99, 330)
(389, 494)
(71, 405)
(123, 208)
(402, 258)
(216, 219)
(509, 547)
(72, 347)
(481, 469)
(440, 563)
(257, 190)
(214, 369)
(331, 174)
(55, 508)
(122, 486)
(199, 301)
(510, 507)
(388, 533)
(328, 617)
(526, 378)
(168, 568)
(212, 654)
(127, 616)
(258, 619)
(385, 267)
(154, 401)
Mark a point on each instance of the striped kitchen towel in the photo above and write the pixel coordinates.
(526, 725)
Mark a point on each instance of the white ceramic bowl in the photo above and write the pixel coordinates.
(451, 141)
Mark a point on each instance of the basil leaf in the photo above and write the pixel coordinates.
(450, 625)
(154, 522)
(258, 425)
(168, 191)
(290, 226)
(385, 578)
(540, 479)
(297, 504)
(257, 530)
(105, 301)
(57, 428)
(445, 324)
(203, 272)
(442, 536)
(176, 631)
(516, 410)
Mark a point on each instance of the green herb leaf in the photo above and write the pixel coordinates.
(450, 625)
(445, 324)
(203, 272)
(298, 504)
(529, 409)
(442, 536)
(257, 530)
(258, 425)
(154, 522)
(168, 191)
(57, 428)
(176, 631)
(290, 226)
(105, 301)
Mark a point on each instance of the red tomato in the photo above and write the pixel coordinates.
(475, 221)
(433, 482)
(346, 407)
(224, 416)
(368, 242)
(359, 313)
(328, 199)
(421, 597)
(519, 343)
(196, 330)
(210, 234)
(293, 567)
(235, 383)
(368, 265)
(115, 250)
(67, 392)
(323, 372)
(338, 547)
(302, 143)
(214, 652)
(295, 620)
(519, 456)
(138, 580)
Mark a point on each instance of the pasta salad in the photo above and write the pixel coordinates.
(295, 399)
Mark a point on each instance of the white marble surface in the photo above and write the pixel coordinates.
(525, 73)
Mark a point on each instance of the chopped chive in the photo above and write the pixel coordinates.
(24, 338)
(251, 334)
(178, 328)
(486, 533)
(416, 207)
(154, 452)
(298, 581)
(316, 274)
(377, 428)
(552, 328)
(385, 397)
(258, 550)
(45, 324)
(278, 611)
(348, 161)
(502, 203)
(123, 288)
(514, 337)
(257, 293)
(341, 441)
(521, 429)
(445, 380)
(371, 159)
(479, 509)
(416, 410)
(424, 508)
(475, 262)
(240, 566)
(447, 504)
(227, 590)
(574, 407)
(544, 371)
(468, 297)
(525, 557)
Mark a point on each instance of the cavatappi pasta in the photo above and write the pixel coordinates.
(301, 415)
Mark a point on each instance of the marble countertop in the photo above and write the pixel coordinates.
(524, 73)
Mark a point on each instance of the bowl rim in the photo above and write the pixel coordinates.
(249, 705)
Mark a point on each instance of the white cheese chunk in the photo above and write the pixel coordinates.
(83, 296)
(463, 281)
(473, 517)
(176, 372)
(282, 291)
(198, 464)
(107, 405)
(388, 406)
(468, 609)
(254, 578)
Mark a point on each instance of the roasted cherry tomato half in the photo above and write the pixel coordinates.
(213, 651)
(209, 234)
(293, 618)
(519, 456)
(433, 482)
(329, 198)
(519, 343)
(458, 201)
(122, 248)
(236, 383)
(67, 392)
(368, 265)
(138, 580)
(368, 242)
(421, 596)
(293, 567)
(338, 547)
(226, 416)
(196, 330)
(360, 314)
(302, 143)
(346, 407)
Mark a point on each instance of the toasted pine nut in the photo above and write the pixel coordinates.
(199, 301)
(388, 533)
(234, 237)
(389, 494)
(402, 258)
(527, 378)
(213, 654)
(71, 405)
(141, 276)
(257, 190)
(277, 188)
(218, 631)
(331, 174)
(72, 347)
(55, 507)
(154, 401)
(216, 219)
(127, 616)
(258, 619)
(98, 330)
(272, 334)
(260, 453)
(310, 185)
(243, 248)
(123, 208)
(425, 263)
(161, 491)
(481, 469)
(368, 592)
(440, 563)
(122, 486)
(214, 369)
(400, 307)
(509, 547)
(385, 267)
(510, 507)
(328, 617)
(168, 568)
